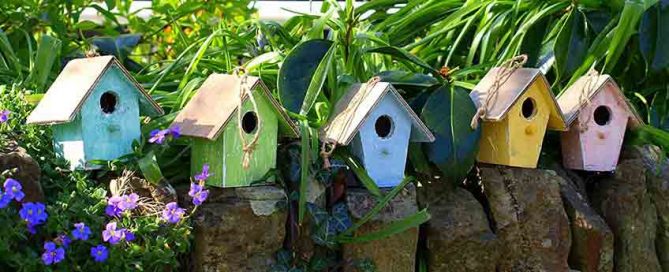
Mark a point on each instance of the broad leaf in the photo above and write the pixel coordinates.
(297, 72)
(571, 45)
(448, 113)
(400, 53)
(654, 36)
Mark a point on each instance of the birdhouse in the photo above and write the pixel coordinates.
(516, 106)
(239, 143)
(597, 114)
(94, 107)
(378, 125)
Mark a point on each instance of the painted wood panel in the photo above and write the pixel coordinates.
(225, 155)
(517, 141)
(385, 158)
(108, 136)
(69, 144)
(601, 144)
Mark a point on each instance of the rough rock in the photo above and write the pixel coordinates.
(239, 229)
(625, 204)
(458, 235)
(591, 238)
(396, 253)
(657, 174)
(529, 217)
(17, 164)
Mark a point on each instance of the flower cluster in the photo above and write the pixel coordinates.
(116, 205)
(34, 214)
(172, 213)
(197, 191)
(158, 136)
(52, 254)
(4, 116)
(114, 236)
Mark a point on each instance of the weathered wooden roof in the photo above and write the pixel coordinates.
(508, 93)
(217, 101)
(74, 84)
(571, 102)
(352, 110)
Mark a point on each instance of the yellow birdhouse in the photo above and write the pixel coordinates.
(516, 106)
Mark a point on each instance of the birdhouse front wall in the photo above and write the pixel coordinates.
(601, 137)
(517, 139)
(382, 141)
(105, 126)
(225, 155)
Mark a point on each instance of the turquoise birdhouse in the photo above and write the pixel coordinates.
(377, 124)
(94, 107)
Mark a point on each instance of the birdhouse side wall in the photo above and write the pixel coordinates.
(228, 147)
(602, 143)
(384, 158)
(527, 134)
(570, 142)
(68, 143)
(109, 135)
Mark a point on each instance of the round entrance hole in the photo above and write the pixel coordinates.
(384, 126)
(249, 122)
(108, 102)
(529, 108)
(602, 115)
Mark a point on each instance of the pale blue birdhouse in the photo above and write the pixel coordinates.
(375, 121)
(94, 108)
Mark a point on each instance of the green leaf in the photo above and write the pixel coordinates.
(571, 45)
(448, 113)
(402, 54)
(412, 221)
(359, 171)
(47, 54)
(305, 163)
(297, 71)
(264, 59)
(626, 27)
(317, 81)
(654, 36)
(149, 167)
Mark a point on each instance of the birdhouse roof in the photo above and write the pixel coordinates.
(352, 110)
(572, 100)
(510, 91)
(74, 84)
(217, 101)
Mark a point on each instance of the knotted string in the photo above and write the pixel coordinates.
(584, 97)
(504, 73)
(328, 147)
(247, 147)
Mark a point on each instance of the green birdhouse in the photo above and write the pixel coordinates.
(235, 124)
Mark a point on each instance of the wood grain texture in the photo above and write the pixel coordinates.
(384, 158)
(225, 154)
(515, 140)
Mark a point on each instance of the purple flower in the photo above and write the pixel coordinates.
(172, 213)
(175, 131)
(157, 136)
(63, 240)
(111, 234)
(52, 254)
(4, 116)
(198, 193)
(112, 208)
(81, 232)
(31, 228)
(128, 235)
(33, 213)
(4, 200)
(128, 202)
(99, 253)
(13, 189)
(204, 175)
